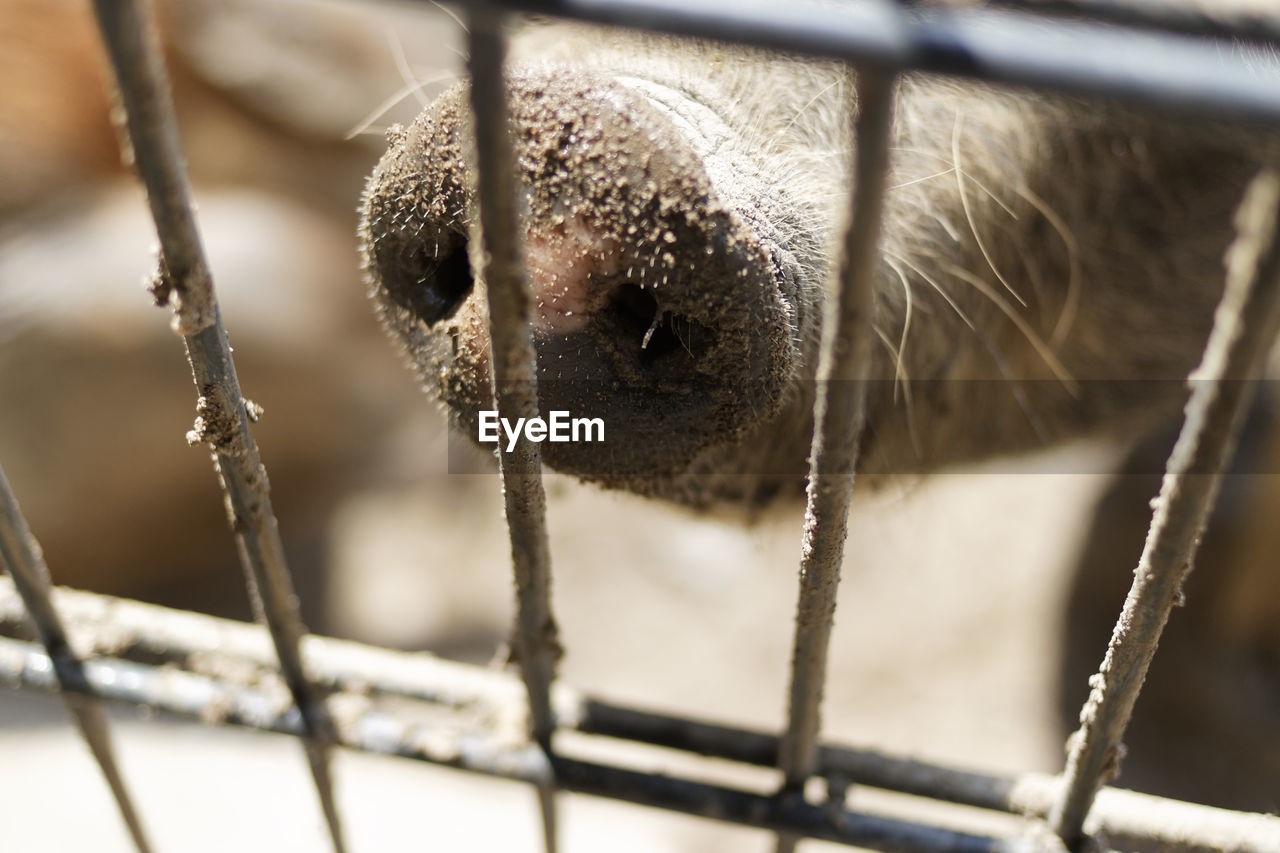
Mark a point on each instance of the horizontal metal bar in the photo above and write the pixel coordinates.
(789, 817)
(261, 707)
(1235, 21)
(185, 282)
(1193, 77)
(30, 583)
(1122, 817)
(122, 628)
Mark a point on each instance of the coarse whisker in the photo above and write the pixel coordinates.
(942, 159)
(453, 16)
(907, 401)
(803, 110)
(914, 181)
(1037, 343)
(988, 344)
(1067, 316)
(968, 211)
(898, 370)
(404, 92)
(991, 195)
(456, 51)
(402, 64)
(1016, 389)
(675, 327)
(932, 282)
(945, 224)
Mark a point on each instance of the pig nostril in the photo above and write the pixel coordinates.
(634, 306)
(452, 282)
(431, 287)
(657, 333)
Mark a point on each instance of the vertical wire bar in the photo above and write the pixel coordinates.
(839, 415)
(514, 377)
(20, 554)
(1245, 326)
(223, 422)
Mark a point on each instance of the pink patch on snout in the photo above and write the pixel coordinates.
(568, 266)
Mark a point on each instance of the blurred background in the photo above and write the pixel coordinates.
(974, 606)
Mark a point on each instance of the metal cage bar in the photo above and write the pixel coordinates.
(1223, 387)
(189, 695)
(184, 281)
(514, 378)
(993, 45)
(20, 556)
(187, 657)
(1243, 22)
(839, 413)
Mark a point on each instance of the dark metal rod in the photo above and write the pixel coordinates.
(1182, 75)
(192, 696)
(514, 378)
(223, 418)
(1025, 794)
(1246, 22)
(1223, 387)
(20, 555)
(787, 817)
(115, 627)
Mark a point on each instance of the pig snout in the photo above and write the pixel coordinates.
(657, 307)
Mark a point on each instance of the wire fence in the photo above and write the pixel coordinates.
(90, 648)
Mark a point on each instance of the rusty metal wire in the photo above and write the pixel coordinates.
(20, 556)
(463, 697)
(184, 281)
(514, 377)
(839, 415)
(1223, 387)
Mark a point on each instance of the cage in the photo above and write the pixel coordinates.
(332, 695)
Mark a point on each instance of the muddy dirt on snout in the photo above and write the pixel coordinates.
(1048, 267)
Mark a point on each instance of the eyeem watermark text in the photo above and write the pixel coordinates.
(560, 427)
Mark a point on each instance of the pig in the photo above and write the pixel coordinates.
(1048, 267)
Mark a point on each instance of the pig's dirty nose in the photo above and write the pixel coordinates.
(657, 307)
